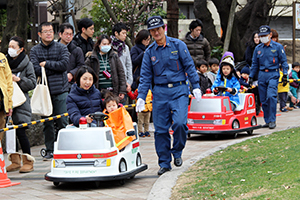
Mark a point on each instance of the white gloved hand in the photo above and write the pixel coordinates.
(197, 94)
(140, 105)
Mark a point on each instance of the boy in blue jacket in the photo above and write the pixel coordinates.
(227, 77)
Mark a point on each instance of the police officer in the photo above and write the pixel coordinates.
(165, 64)
(265, 61)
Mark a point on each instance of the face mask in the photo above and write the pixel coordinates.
(12, 52)
(264, 39)
(105, 48)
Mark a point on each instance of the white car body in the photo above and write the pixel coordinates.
(90, 154)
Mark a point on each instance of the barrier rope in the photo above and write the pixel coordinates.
(50, 119)
(35, 122)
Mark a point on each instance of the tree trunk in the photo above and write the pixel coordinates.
(201, 12)
(17, 17)
(248, 19)
(172, 18)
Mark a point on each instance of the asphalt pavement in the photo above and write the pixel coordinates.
(145, 185)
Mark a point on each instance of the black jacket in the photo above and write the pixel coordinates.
(137, 54)
(56, 56)
(204, 82)
(85, 45)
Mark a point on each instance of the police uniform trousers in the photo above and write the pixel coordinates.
(170, 105)
(267, 86)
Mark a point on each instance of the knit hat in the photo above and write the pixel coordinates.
(84, 23)
(245, 70)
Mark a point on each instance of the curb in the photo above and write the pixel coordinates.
(162, 188)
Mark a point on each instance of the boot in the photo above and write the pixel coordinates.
(28, 161)
(15, 159)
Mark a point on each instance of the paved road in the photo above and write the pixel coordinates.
(145, 185)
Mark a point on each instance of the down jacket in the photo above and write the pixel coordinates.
(81, 102)
(56, 56)
(117, 71)
(198, 48)
(22, 114)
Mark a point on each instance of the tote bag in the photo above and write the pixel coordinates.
(18, 97)
(41, 103)
(10, 137)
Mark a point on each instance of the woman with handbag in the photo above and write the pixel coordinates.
(108, 67)
(23, 74)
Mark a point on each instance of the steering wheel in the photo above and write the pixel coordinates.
(99, 116)
(221, 88)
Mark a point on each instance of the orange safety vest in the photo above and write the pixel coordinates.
(120, 123)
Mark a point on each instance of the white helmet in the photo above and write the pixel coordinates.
(228, 60)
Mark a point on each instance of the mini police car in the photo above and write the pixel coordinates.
(213, 115)
(90, 154)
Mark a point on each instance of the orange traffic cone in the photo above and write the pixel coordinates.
(4, 181)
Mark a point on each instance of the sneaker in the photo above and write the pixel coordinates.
(147, 134)
(48, 156)
(283, 110)
(141, 134)
(290, 108)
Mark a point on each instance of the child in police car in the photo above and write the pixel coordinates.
(144, 116)
(119, 120)
(228, 78)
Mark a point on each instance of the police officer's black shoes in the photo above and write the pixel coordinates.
(272, 125)
(162, 170)
(265, 125)
(178, 162)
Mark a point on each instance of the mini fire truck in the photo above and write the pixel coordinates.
(213, 115)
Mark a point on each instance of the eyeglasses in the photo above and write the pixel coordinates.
(50, 31)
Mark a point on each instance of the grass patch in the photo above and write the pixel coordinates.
(260, 168)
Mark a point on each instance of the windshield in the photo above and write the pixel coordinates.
(90, 139)
(206, 105)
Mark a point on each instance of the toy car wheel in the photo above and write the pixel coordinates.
(56, 184)
(43, 152)
(253, 121)
(122, 166)
(235, 125)
(138, 160)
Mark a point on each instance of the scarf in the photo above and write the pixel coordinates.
(118, 45)
(14, 63)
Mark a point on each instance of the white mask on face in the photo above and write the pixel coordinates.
(12, 52)
(264, 39)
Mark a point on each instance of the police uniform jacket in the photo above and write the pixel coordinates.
(268, 58)
(167, 64)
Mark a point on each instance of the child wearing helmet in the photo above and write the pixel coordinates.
(228, 78)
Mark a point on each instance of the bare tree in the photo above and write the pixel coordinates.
(254, 14)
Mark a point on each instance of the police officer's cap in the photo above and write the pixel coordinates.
(264, 30)
(155, 22)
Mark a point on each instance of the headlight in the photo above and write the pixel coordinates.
(190, 121)
(58, 164)
(102, 163)
(219, 122)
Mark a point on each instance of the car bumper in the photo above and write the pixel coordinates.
(125, 175)
(224, 131)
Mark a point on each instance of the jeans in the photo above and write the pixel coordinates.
(59, 107)
(282, 99)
